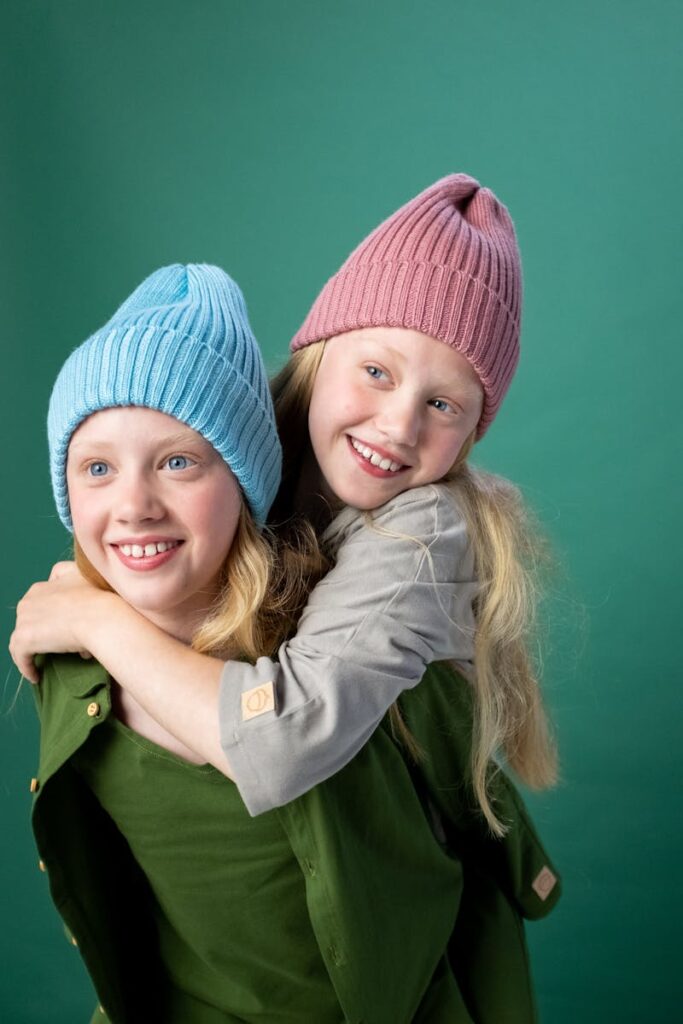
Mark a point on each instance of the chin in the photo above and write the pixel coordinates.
(144, 601)
(365, 504)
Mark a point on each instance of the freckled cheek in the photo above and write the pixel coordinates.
(335, 404)
(350, 408)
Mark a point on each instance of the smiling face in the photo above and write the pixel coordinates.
(390, 410)
(155, 510)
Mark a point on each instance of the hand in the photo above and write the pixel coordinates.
(49, 617)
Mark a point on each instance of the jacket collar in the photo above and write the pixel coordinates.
(79, 676)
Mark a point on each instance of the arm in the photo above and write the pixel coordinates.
(387, 609)
(177, 686)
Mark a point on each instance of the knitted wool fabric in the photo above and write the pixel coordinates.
(446, 264)
(180, 344)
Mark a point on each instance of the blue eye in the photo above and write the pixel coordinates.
(441, 405)
(179, 462)
(98, 469)
(374, 372)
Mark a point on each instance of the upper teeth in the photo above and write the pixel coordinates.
(138, 551)
(374, 458)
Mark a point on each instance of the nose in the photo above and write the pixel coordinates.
(138, 500)
(399, 419)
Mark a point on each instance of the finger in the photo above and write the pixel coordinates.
(28, 670)
(24, 662)
(86, 655)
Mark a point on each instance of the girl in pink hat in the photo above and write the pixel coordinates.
(400, 366)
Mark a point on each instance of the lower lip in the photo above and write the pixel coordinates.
(382, 474)
(148, 562)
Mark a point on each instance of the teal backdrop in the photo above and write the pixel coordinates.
(269, 137)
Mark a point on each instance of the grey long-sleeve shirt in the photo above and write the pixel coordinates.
(399, 597)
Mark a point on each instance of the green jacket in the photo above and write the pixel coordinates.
(385, 899)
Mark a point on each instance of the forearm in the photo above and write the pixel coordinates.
(174, 684)
(356, 649)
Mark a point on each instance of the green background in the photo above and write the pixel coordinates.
(269, 137)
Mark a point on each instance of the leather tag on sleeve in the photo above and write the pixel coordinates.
(258, 701)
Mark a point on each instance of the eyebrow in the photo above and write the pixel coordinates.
(170, 441)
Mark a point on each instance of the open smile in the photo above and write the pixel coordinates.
(146, 554)
(376, 462)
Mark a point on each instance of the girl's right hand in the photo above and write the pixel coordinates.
(49, 615)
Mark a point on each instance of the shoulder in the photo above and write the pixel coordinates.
(428, 514)
(422, 531)
(430, 510)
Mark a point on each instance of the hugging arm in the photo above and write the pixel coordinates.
(386, 610)
(177, 686)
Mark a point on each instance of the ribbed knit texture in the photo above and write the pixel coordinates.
(180, 344)
(446, 264)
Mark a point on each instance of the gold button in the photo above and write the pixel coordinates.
(93, 709)
(101, 1009)
(75, 943)
(41, 865)
(34, 785)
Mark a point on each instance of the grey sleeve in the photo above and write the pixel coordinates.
(399, 597)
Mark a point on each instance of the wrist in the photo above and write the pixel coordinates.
(104, 611)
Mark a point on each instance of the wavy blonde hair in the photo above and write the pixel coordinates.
(509, 717)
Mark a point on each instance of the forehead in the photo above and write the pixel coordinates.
(127, 425)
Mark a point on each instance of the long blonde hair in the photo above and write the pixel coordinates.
(509, 717)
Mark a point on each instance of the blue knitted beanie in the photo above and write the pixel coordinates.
(181, 344)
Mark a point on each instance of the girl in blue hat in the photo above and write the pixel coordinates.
(186, 909)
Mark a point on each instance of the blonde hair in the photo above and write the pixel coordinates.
(509, 717)
(266, 580)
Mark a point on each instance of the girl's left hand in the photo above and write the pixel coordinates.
(48, 618)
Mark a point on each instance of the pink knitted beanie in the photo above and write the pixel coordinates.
(446, 264)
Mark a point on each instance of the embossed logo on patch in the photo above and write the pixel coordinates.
(544, 883)
(258, 701)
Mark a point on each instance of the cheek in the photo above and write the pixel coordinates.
(213, 515)
(86, 516)
(445, 452)
(336, 405)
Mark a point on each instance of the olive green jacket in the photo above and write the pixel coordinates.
(386, 899)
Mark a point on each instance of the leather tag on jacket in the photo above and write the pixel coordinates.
(544, 883)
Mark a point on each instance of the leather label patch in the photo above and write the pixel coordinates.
(544, 883)
(258, 701)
